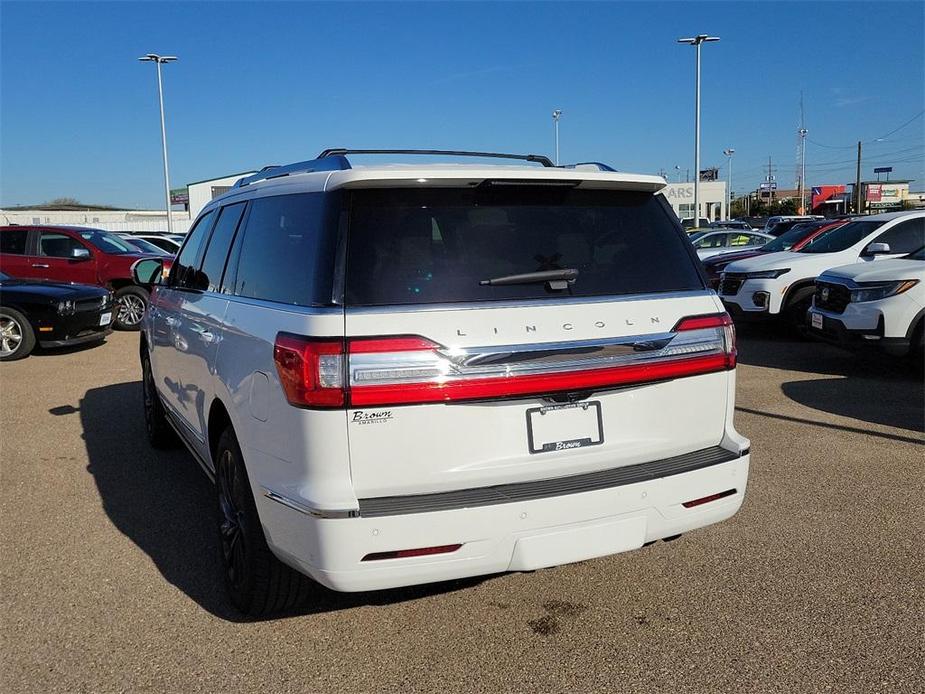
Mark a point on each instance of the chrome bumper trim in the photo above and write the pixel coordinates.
(307, 510)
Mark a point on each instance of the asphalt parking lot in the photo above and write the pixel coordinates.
(111, 577)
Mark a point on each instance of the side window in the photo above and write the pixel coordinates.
(712, 241)
(905, 237)
(13, 241)
(188, 260)
(287, 254)
(213, 263)
(58, 245)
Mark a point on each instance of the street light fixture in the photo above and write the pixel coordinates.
(556, 115)
(729, 152)
(696, 41)
(158, 60)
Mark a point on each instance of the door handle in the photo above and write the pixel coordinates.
(40, 265)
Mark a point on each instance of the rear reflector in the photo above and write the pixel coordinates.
(403, 553)
(708, 499)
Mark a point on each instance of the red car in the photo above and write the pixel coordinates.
(799, 236)
(80, 255)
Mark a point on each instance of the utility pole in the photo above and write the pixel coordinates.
(803, 132)
(696, 42)
(857, 183)
(159, 60)
(729, 152)
(556, 115)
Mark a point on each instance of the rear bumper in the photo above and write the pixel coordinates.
(513, 536)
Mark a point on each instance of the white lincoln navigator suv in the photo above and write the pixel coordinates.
(405, 374)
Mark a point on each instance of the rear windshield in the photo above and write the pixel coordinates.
(842, 238)
(436, 245)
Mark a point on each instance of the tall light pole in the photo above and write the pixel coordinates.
(729, 152)
(158, 60)
(803, 132)
(696, 41)
(678, 169)
(556, 115)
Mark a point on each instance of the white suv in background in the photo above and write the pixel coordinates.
(783, 283)
(880, 305)
(406, 374)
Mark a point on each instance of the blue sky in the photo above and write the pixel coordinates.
(261, 83)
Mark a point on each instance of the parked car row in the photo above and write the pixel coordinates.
(835, 278)
(76, 258)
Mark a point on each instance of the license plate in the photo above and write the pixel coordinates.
(563, 427)
(817, 320)
(105, 318)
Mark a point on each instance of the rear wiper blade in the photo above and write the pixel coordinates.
(556, 279)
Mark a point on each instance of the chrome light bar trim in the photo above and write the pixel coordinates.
(453, 364)
(307, 510)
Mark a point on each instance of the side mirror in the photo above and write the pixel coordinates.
(80, 254)
(147, 271)
(877, 249)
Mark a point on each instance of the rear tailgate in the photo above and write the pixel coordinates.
(456, 385)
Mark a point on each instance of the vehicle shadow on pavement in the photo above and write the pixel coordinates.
(870, 387)
(163, 502)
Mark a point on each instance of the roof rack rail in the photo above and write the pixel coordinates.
(336, 160)
(587, 166)
(335, 163)
(539, 158)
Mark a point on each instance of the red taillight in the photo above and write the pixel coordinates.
(402, 553)
(483, 388)
(708, 499)
(311, 370)
(373, 345)
(714, 320)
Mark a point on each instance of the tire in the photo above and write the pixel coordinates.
(131, 304)
(160, 433)
(17, 339)
(795, 310)
(258, 583)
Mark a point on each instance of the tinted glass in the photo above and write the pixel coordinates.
(785, 242)
(106, 242)
(905, 237)
(181, 274)
(58, 245)
(4, 276)
(841, 238)
(13, 241)
(917, 255)
(712, 241)
(213, 263)
(287, 254)
(146, 246)
(430, 246)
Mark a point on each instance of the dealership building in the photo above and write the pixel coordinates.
(712, 199)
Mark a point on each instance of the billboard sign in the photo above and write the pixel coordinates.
(883, 169)
(874, 192)
(179, 196)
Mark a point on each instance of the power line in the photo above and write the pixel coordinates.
(867, 142)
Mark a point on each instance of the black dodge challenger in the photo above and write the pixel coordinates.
(54, 314)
